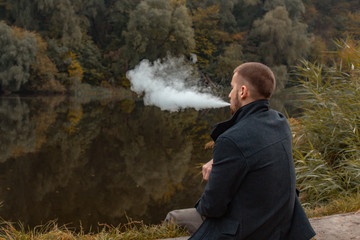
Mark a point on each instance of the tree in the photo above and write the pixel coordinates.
(43, 71)
(89, 57)
(332, 19)
(17, 53)
(119, 15)
(93, 16)
(157, 27)
(57, 19)
(296, 9)
(232, 57)
(281, 40)
(246, 12)
(210, 39)
(227, 19)
(206, 36)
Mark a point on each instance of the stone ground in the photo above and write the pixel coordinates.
(335, 227)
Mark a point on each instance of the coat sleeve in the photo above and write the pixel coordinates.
(228, 170)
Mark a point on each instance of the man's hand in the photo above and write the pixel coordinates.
(206, 169)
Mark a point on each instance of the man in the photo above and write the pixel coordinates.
(251, 191)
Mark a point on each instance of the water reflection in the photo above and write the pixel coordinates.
(98, 160)
(22, 126)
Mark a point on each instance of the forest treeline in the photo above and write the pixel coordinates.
(54, 46)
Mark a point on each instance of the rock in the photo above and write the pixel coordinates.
(337, 227)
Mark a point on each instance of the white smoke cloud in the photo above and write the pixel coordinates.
(167, 85)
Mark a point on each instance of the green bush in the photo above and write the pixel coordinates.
(17, 53)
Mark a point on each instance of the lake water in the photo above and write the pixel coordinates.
(91, 160)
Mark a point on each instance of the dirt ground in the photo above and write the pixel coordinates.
(335, 227)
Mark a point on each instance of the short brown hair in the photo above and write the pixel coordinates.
(259, 76)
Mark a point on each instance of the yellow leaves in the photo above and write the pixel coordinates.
(74, 69)
(18, 32)
(124, 81)
(204, 45)
(206, 35)
(207, 17)
(204, 50)
(74, 115)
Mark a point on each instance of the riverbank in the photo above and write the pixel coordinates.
(334, 227)
(337, 220)
(51, 231)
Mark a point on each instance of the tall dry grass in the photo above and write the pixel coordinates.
(326, 145)
(51, 231)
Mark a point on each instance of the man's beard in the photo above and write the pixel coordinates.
(236, 105)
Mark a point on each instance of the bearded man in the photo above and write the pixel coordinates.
(251, 192)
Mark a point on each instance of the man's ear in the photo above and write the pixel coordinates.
(244, 92)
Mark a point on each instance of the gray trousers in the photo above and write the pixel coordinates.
(187, 218)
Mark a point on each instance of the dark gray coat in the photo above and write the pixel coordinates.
(251, 191)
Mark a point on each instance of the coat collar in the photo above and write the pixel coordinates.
(241, 113)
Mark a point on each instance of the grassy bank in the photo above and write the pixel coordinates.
(140, 231)
(342, 204)
(51, 231)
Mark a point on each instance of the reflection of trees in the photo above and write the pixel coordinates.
(155, 150)
(94, 161)
(16, 132)
(137, 158)
(31, 179)
(23, 125)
